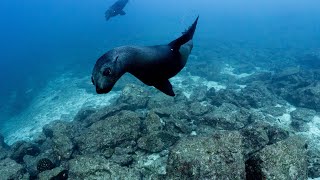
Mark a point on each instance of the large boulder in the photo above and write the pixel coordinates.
(152, 123)
(199, 94)
(314, 162)
(156, 142)
(259, 134)
(207, 157)
(60, 134)
(97, 167)
(21, 148)
(3, 148)
(9, 169)
(227, 117)
(198, 109)
(300, 117)
(283, 160)
(101, 114)
(110, 132)
(135, 96)
(257, 95)
(307, 97)
(160, 100)
(57, 173)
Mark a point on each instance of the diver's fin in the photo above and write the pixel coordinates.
(122, 13)
(186, 36)
(165, 87)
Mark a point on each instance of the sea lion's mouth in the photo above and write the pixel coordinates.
(102, 91)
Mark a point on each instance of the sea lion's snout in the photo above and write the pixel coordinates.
(102, 91)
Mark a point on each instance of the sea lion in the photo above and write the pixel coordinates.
(116, 9)
(153, 65)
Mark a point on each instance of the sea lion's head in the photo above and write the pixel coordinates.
(106, 72)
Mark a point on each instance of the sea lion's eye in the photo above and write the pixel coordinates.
(107, 72)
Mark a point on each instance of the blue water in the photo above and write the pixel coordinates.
(41, 40)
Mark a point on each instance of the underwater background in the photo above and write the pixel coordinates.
(250, 59)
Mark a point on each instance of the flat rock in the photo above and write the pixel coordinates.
(9, 169)
(260, 134)
(227, 117)
(110, 132)
(135, 96)
(60, 134)
(98, 168)
(218, 156)
(283, 160)
(22, 148)
(156, 142)
(58, 173)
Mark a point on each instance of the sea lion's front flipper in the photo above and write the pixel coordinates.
(165, 87)
(122, 13)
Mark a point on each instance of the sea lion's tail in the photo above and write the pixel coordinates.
(186, 36)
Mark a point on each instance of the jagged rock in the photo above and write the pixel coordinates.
(306, 96)
(274, 110)
(110, 132)
(227, 117)
(104, 113)
(314, 162)
(57, 173)
(122, 160)
(160, 100)
(60, 134)
(211, 92)
(286, 73)
(303, 114)
(199, 109)
(310, 60)
(22, 148)
(300, 117)
(229, 96)
(177, 111)
(84, 113)
(4, 148)
(180, 97)
(283, 160)
(152, 123)
(257, 96)
(218, 156)
(258, 135)
(124, 155)
(199, 94)
(3, 153)
(257, 76)
(9, 169)
(156, 142)
(276, 134)
(178, 126)
(96, 167)
(152, 165)
(33, 166)
(135, 96)
(2, 143)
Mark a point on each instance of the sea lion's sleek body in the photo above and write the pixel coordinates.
(153, 65)
(116, 9)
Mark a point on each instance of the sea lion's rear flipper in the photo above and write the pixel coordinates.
(186, 36)
(165, 87)
(122, 13)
